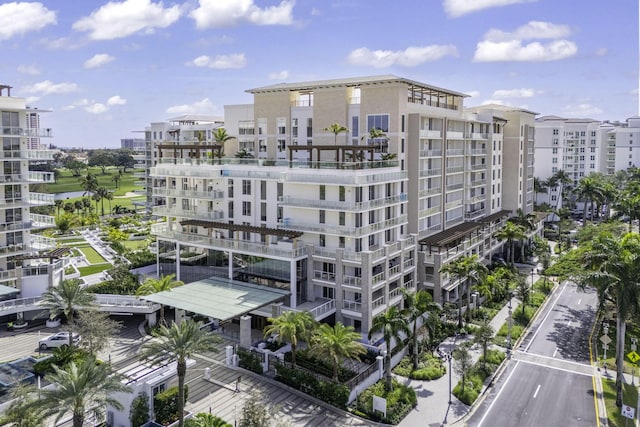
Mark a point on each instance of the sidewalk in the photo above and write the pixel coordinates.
(433, 407)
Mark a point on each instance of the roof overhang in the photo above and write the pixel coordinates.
(219, 298)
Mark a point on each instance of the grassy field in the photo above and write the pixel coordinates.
(630, 397)
(93, 269)
(92, 256)
(135, 244)
(67, 182)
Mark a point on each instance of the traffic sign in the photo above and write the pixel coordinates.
(628, 411)
(633, 356)
(605, 339)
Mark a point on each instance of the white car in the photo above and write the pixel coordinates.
(57, 340)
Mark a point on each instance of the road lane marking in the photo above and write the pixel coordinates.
(557, 368)
(545, 317)
(568, 323)
(572, 362)
(554, 352)
(498, 394)
(536, 392)
(579, 301)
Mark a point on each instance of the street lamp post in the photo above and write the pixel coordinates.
(509, 322)
(605, 326)
(449, 356)
(533, 270)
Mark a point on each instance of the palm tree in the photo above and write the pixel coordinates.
(89, 183)
(336, 129)
(153, 286)
(588, 190)
(613, 266)
(336, 344)
(22, 411)
(291, 326)
(540, 186)
(563, 214)
(65, 299)
(177, 344)
(392, 323)
(561, 179)
(522, 292)
(221, 136)
(465, 269)
(378, 135)
(96, 198)
(116, 179)
(84, 386)
(418, 305)
(206, 420)
(58, 204)
(510, 233)
(527, 222)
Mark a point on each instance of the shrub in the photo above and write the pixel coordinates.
(250, 361)
(327, 391)
(400, 401)
(61, 357)
(429, 368)
(165, 405)
(306, 360)
(139, 413)
(477, 376)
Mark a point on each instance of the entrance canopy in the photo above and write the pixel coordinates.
(219, 298)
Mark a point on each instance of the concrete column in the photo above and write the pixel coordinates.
(293, 282)
(228, 355)
(380, 360)
(179, 316)
(230, 275)
(178, 261)
(245, 331)
(339, 281)
(152, 318)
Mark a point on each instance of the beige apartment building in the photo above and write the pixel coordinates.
(340, 223)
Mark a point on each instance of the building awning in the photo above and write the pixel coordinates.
(219, 298)
(451, 235)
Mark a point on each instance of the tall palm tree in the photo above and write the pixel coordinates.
(65, 299)
(89, 183)
(589, 189)
(153, 286)
(204, 419)
(510, 233)
(221, 136)
(528, 223)
(392, 323)
(109, 197)
(483, 336)
(96, 197)
(561, 179)
(613, 266)
(378, 135)
(58, 204)
(291, 326)
(337, 343)
(467, 269)
(177, 344)
(116, 179)
(84, 386)
(336, 129)
(418, 305)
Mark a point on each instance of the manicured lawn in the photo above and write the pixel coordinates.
(135, 244)
(630, 397)
(93, 269)
(71, 240)
(93, 257)
(68, 182)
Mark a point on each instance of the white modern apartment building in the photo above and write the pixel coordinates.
(582, 146)
(29, 263)
(340, 224)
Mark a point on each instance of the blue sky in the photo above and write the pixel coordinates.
(107, 69)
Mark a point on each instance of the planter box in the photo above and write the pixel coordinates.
(53, 323)
(21, 326)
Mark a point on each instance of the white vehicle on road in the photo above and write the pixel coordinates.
(57, 340)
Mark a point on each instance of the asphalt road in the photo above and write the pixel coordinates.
(549, 380)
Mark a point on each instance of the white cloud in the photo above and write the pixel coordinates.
(31, 99)
(18, 18)
(29, 69)
(473, 93)
(581, 110)
(223, 13)
(602, 51)
(280, 75)
(221, 62)
(531, 30)
(97, 108)
(514, 93)
(98, 60)
(514, 50)
(61, 43)
(199, 107)
(456, 8)
(410, 57)
(496, 101)
(47, 87)
(116, 20)
(116, 100)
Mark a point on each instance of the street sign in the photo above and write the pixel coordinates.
(633, 356)
(628, 411)
(605, 339)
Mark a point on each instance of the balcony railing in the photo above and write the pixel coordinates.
(478, 167)
(430, 211)
(342, 230)
(430, 153)
(41, 242)
(379, 302)
(455, 135)
(41, 176)
(479, 135)
(378, 278)
(394, 293)
(477, 151)
(455, 186)
(425, 133)
(429, 191)
(352, 281)
(324, 275)
(352, 306)
(455, 152)
(431, 172)
(338, 205)
(41, 199)
(455, 169)
(42, 221)
(188, 213)
(171, 192)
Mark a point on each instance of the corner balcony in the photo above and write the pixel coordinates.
(8, 275)
(319, 309)
(41, 199)
(41, 176)
(41, 243)
(473, 215)
(280, 249)
(42, 221)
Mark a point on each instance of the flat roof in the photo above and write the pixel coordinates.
(219, 298)
(494, 216)
(451, 235)
(8, 290)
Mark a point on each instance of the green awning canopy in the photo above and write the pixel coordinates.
(219, 298)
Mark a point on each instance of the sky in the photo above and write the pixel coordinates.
(108, 69)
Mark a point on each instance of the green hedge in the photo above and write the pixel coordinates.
(400, 401)
(332, 393)
(306, 360)
(477, 376)
(165, 405)
(250, 361)
(430, 367)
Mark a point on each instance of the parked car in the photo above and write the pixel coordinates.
(57, 340)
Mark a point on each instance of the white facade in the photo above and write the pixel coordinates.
(19, 265)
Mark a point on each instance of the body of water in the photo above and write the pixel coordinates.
(68, 195)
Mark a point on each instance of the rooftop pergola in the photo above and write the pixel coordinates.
(51, 255)
(341, 152)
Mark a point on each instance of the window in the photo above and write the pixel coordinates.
(554, 151)
(322, 216)
(282, 144)
(246, 187)
(592, 158)
(554, 160)
(282, 130)
(294, 128)
(246, 208)
(592, 166)
(342, 193)
(230, 188)
(309, 127)
(355, 123)
(322, 240)
(328, 292)
(231, 209)
(158, 389)
(263, 190)
(341, 241)
(323, 192)
(555, 141)
(263, 211)
(378, 121)
(341, 218)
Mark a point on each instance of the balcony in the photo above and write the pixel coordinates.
(13, 249)
(477, 182)
(338, 205)
(475, 214)
(252, 248)
(42, 243)
(455, 169)
(208, 195)
(352, 281)
(478, 151)
(454, 204)
(455, 135)
(324, 276)
(456, 186)
(379, 303)
(41, 176)
(455, 152)
(41, 154)
(140, 174)
(429, 191)
(431, 153)
(430, 211)
(41, 199)
(431, 172)
(8, 275)
(430, 134)
(342, 230)
(395, 293)
(42, 221)
(354, 306)
(478, 167)
(475, 135)
(174, 211)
